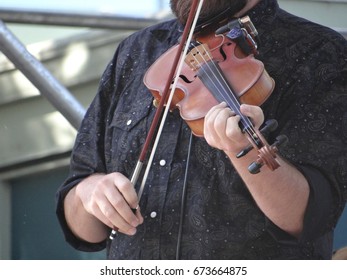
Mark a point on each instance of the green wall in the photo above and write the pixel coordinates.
(36, 234)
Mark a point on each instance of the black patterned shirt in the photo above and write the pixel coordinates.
(211, 214)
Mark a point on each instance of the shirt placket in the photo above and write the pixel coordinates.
(156, 191)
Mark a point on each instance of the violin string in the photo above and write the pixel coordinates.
(225, 91)
(229, 96)
(167, 108)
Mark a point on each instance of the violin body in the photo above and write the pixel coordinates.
(246, 76)
(218, 67)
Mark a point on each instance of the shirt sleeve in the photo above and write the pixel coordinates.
(88, 155)
(313, 116)
(319, 211)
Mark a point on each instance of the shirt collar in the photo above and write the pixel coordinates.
(264, 12)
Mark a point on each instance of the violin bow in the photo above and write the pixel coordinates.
(177, 66)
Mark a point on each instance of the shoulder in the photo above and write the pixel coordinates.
(137, 51)
(310, 30)
(166, 32)
(298, 41)
(143, 47)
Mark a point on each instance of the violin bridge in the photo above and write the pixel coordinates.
(198, 56)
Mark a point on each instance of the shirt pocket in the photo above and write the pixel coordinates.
(128, 131)
(129, 118)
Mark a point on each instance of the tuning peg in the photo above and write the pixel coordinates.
(269, 126)
(255, 166)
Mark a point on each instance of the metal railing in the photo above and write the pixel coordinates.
(75, 20)
(40, 77)
(36, 72)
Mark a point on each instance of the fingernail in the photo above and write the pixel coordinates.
(132, 231)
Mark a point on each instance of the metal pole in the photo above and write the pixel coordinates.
(75, 20)
(40, 77)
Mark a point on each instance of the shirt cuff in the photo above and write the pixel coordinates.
(319, 211)
(319, 215)
(70, 238)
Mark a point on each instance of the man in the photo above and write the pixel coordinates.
(200, 201)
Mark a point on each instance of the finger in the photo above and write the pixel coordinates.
(138, 214)
(233, 131)
(98, 210)
(214, 110)
(253, 112)
(221, 122)
(106, 212)
(126, 188)
(123, 216)
(122, 207)
(209, 124)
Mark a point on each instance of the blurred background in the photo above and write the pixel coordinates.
(52, 55)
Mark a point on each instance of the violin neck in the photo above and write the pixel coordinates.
(212, 77)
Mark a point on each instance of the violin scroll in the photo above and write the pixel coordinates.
(267, 154)
(264, 152)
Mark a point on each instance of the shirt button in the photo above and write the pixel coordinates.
(129, 122)
(162, 162)
(153, 214)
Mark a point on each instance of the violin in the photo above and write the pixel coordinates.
(220, 67)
